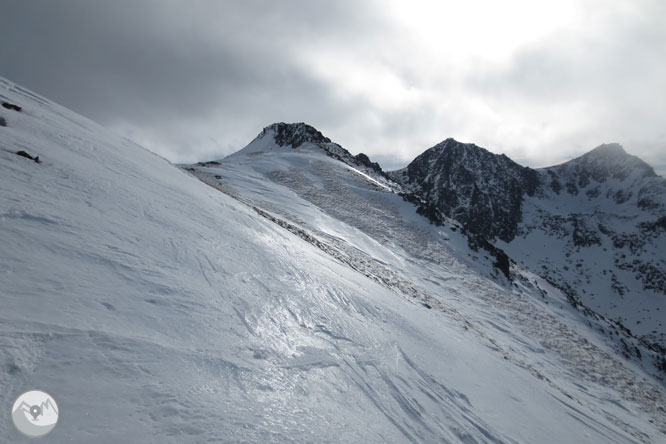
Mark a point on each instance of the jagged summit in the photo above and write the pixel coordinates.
(293, 134)
(452, 144)
(450, 141)
(287, 136)
(281, 137)
(457, 151)
(481, 189)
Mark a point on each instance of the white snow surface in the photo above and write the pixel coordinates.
(155, 308)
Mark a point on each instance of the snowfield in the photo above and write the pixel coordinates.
(291, 300)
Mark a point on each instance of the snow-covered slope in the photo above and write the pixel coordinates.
(155, 308)
(376, 232)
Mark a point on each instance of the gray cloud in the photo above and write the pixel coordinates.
(198, 79)
(596, 83)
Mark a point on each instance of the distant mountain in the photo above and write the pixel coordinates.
(595, 226)
(608, 175)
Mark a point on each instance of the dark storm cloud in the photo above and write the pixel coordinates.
(158, 66)
(96, 56)
(197, 79)
(157, 52)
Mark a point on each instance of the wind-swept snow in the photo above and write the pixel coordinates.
(155, 308)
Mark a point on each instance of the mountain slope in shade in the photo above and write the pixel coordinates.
(594, 226)
(598, 228)
(605, 163)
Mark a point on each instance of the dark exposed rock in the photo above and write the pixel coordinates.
(502, 261)
(658, 226)
(555, 186)
(28, 156)
(621, 196)
(593, 192)
(571, 188)
(209, 163)
(425, 208)
(647, 204)
(295, 134)
(364, 160)
(582, 234)
(653, 277)
(11, 106)
(482, 190)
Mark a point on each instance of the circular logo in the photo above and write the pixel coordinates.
(35, 413)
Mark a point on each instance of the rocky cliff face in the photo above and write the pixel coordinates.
(482, 190)
(294, 134)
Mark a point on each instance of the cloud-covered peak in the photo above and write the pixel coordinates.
(606, 161)
(607, 150)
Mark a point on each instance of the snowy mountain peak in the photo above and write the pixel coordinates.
(293, 134)
(285, 137)
(604, 162)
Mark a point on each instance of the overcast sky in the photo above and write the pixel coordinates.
(191, 80)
